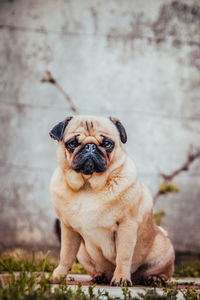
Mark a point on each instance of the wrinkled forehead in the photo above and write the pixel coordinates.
(91, 126)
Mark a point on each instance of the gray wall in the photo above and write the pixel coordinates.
(135, 60)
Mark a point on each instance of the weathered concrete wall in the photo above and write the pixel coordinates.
(136, 60)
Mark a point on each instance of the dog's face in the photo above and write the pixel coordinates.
(89, 143)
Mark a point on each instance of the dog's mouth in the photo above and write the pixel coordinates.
(89, 160)
(89, 167)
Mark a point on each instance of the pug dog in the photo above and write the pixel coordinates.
(105, 211)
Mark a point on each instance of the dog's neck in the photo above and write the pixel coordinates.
(99, 181)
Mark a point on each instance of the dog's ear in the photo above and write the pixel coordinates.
(57, 132)
(121, 129)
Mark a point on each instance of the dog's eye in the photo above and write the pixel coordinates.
(108, 144)
(71, 145)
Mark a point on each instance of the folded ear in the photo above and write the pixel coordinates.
(121, 129)
(57, 132)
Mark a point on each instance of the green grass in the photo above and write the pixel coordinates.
(188, 269)
(77, 269)
(38, 262)
(24, 262)
(27, 287)
(21, 260)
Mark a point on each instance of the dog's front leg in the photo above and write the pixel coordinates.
(125, 243)
(70, 243)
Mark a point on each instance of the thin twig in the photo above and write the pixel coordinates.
(50, 79)
(185, 167)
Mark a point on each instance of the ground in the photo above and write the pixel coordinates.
(25, 276)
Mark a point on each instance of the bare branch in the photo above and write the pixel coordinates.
(185, 167)
(50, 79)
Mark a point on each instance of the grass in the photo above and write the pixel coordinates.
(23, 261)
(27, 287)
(188, 269)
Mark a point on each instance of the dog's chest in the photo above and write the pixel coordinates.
(87, 213)
(84, 214)
(92, 220)
(96, 225)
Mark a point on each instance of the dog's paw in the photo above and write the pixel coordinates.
(100, 279)
(59, 273)
(121, 281)
(155, 280)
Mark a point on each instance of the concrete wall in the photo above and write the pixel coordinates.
(136, 60)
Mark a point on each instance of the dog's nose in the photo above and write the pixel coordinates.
(90, 147)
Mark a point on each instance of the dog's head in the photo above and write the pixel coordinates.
(89, 143)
